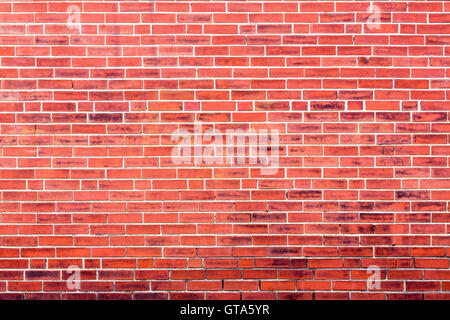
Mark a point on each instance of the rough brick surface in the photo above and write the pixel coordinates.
(92, 91)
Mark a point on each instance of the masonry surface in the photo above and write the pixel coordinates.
(91, 93)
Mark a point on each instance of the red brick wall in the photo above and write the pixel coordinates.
(356, 94)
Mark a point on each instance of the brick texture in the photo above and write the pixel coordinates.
(92, 91)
